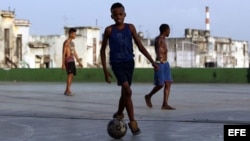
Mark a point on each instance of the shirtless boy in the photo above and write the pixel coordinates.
(68, 60)
(162, 77)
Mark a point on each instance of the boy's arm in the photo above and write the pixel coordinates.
(77, 59)
(107, 32)
(103, 48)
(141, 47)
(64, 54)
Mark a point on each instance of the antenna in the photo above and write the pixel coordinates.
(65, 20)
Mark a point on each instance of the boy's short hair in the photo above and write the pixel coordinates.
(116, 5)
(164, 27)
(72, 30)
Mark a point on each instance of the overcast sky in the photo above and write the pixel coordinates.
(228, 18)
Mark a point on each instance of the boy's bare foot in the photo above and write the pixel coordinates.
(167, 107)
(68, 93)
(148, 101)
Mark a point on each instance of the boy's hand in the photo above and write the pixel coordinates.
(63, 67)
(80, 64)
(155, 65)
(108, 76)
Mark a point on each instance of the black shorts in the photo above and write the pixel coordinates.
(71, 68)
(123, 71)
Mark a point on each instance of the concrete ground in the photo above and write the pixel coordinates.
(40, 111)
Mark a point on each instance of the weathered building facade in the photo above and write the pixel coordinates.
(199, 49)
(19, 49)
(47, 50)
(14, 34)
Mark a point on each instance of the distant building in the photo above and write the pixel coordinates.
(47, 50)
(19, 49)
(14, 34)
(197, 49)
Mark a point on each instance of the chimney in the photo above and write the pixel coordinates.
(207, 19)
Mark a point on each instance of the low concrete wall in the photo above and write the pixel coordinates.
(180, 75)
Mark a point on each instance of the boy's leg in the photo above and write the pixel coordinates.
(119, 114)
(71, 70)
(166, 93)
(130, 109)
(68, 84)
(158, 82)
(148, 96)
(127, 92)
(123, 72)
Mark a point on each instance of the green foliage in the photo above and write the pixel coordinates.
(180, 75)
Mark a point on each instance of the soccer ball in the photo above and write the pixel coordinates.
(117, 128)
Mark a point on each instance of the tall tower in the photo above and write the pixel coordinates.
(207, 20)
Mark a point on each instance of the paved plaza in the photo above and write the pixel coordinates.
(40, 112)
